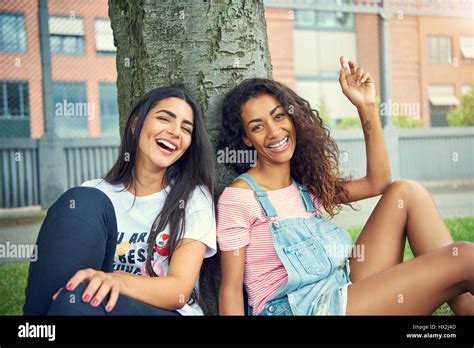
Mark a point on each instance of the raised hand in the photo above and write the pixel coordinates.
(358, 86)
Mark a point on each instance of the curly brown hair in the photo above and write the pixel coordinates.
(315, 162)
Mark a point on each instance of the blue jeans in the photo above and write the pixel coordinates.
(80, 231)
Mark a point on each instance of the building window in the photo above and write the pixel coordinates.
(12, 32)
(104, 37)
(71, 109)
(316, 53)
(14, 109)
(442, 99)
(439, 50)
(324, 20)
(109, 115)
(66, 35)
(305, 19)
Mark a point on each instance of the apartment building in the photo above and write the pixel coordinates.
(83, 69)
(432, 57)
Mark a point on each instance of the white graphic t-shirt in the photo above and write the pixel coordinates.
(135, 216)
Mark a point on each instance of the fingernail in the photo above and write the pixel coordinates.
(95, 302)
(86, 297)
(108, 308)
(69, 286)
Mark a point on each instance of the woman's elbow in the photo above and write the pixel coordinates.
(382, 184)
(231, 301)
(180, 297)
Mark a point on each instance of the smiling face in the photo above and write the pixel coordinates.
(166, 134)
(268, 129)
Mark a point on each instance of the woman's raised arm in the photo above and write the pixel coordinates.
(359, 87)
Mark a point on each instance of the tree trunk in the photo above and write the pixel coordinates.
(207, 46)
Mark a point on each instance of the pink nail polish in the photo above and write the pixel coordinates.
(86, 297)
(95, 302)
(108, 308)
(69, 286)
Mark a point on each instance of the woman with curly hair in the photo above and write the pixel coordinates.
(292, 260)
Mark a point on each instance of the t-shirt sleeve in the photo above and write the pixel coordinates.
(233, 224)
(201, 220)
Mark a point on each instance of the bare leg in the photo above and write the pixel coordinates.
(416, 287)
(406, 209)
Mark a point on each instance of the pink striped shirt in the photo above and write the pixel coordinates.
(241, 223)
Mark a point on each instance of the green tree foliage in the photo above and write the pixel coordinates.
(463, 115)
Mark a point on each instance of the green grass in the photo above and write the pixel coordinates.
(13, 276)
(12, 288)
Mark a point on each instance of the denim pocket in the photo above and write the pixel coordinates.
(309, 256)
(337, 244)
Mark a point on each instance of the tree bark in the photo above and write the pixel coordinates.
(207, 46)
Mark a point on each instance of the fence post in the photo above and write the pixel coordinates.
(51, 157)
(390, 132)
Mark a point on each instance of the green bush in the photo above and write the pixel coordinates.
(407, 122)
(352, 122)
(463, 115)
(323, 111)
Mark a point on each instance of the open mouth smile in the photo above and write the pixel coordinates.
(166, 146)
(280, 145)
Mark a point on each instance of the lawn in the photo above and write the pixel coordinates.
(13, 276)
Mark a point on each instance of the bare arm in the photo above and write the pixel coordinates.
(173, 291)
(231, 299)
(169, 292)
(359, 88)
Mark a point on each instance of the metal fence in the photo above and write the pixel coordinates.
(418, 154)
(20, 174)
(428, 154)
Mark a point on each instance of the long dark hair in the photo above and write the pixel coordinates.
(315, 162)
(194, 168)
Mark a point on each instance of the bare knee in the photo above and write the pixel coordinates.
(408, 190)
(464, 252)
(407, 186)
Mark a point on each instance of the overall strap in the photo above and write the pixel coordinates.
(260, 195)
(308, 203)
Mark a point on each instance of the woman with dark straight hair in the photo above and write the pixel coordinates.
(133, 242)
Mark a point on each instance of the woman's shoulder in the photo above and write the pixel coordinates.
(93, 182)
(103, 185)
(200, 197)
(237, 193)
(241, 184)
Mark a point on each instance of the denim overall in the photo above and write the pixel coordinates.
(315, 254)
